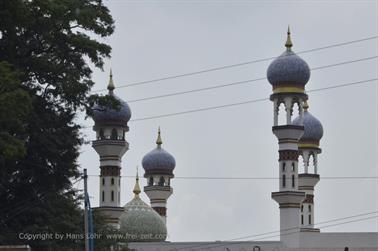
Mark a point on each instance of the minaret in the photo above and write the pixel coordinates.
(110, 144)
(288, 75)
(309, 177)
(158, 165)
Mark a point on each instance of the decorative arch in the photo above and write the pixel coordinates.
(114, 134)
(161, 181)
(102, 136)
(151, 181)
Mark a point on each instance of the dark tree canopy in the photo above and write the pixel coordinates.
(45, 79)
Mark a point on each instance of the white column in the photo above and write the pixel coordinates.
(288, 106)
(275, 113)
(315, 159)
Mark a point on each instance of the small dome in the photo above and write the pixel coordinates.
(105, 115)
(158, 161)
(140, 223)
(313, 129)
(288, 70)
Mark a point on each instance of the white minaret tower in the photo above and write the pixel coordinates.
(158, 165)
(309, 177)
(110, 144)
(288, 75)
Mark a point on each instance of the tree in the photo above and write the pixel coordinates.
(12, 98)
(45, 79)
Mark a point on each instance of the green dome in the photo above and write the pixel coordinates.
(140, 223)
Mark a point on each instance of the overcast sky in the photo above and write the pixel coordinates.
(156, 39)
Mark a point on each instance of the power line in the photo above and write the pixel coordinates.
(243, 81)
(252, 178)
(243, 103)
(211, 245)
(238, 64)
(246, 102)
(327, 226)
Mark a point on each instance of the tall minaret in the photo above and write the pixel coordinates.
(158, 165)
(309, 177)
(288, 75)
(110, 144)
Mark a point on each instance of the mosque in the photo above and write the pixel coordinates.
(145, 224)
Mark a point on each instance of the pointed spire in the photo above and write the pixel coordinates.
(158, 140)
(305, 106)
(136, 189)
(111, 86)
(288, 43)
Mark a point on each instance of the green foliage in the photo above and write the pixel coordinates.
(45, 48)
(15, 102)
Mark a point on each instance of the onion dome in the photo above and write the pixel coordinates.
(139, 222)
(103, 115)
(313, 129)
(158, 161)
(288, 72)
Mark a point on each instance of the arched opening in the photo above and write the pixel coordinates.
(151, 181)
(309, 219)
(302, 220)
(302, 208)
(300, 164)
(346, 249)
(284, 167)
(309, 208)
(295, 109)
(114, 134)
(293, 167)
(161, 181)
(311, 165)
(292, 181)
(112, 195)
(103, 181)
(284, 180)
(281, 114)
(102, 134)
(256, 248)
(112, 181)
(103, 196)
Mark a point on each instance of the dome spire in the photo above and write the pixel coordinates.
(111, 86)
(158, 140)
(305, 106)
(136, 189)
(288, 43)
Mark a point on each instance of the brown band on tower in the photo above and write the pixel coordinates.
(162, 211)
(288, 155)
(309, 199)
(110, 171)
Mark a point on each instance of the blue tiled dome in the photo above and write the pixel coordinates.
(313, 129)
(288, 69)
(158, 161)
(106, 115)
(103, 115)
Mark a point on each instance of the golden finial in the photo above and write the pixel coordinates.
(158, 140)
(136, 189)
(111, 86)
(305, 106)
(288, 43)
